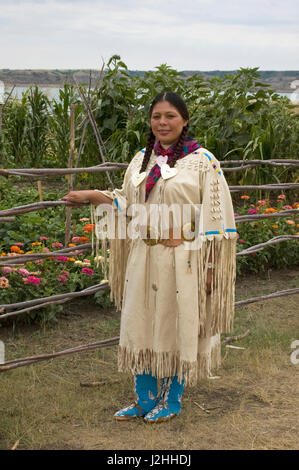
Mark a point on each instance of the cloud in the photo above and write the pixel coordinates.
(194, 34)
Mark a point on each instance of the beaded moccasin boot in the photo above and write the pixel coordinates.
(145, 387)
(169, 402)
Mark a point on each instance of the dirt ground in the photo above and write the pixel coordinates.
(254, 404)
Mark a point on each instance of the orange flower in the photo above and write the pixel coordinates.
(84, 239)
(297, 225)
(21, 251)
(290, 222)
(72, 244)
(71, 259)
(269, 210)
(3, 254)
(36, 243)
(244, 196)
(28, 252)
(15, 249)
(88, 228)
(275, 226)
(275, 232)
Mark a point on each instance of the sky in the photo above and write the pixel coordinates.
(185, 34)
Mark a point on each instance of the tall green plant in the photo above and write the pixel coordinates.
(59, 125)
(37, 129)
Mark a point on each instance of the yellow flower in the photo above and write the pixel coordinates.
(36, 243)
(78, 262)
(274, 226)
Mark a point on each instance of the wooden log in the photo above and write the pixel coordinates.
(7, 219)
(39, 187)
(70, 176)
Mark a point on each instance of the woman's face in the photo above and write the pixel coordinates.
(167, 123)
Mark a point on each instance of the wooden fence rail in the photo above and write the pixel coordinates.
(114, 166)
(21, 362)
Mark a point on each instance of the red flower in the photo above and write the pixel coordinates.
(88, 271)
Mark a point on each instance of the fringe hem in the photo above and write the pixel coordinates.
(168, 364)
(222, 253)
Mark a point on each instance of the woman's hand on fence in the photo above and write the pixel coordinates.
(77, 197)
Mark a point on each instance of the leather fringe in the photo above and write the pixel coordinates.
(168, 364)
(222, 296)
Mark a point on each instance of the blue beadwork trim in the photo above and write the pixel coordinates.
(212, 161)
(217, 232)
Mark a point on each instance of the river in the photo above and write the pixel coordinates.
(53, 92)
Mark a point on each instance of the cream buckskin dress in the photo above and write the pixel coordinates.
(169, 324)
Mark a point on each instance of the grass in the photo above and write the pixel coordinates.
(253, 405)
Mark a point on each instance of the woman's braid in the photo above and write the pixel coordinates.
(179, 146)
(148, 152)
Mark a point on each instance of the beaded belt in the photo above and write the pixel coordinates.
(171, 241)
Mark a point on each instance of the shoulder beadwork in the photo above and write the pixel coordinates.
(208, 156)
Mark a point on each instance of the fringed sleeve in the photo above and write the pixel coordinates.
(217, 244)
(119, 245)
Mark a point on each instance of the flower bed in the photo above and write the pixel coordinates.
(255, 232)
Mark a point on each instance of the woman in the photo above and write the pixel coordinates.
(175, 287)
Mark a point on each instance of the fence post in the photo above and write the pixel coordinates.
(70, 176)
(1, 103)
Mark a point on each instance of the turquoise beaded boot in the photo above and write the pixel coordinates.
(169, 403)
(145, 387)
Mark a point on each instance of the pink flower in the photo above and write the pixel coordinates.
(252, 211)
(88, 271)
(63, 279)
(46, 250)
(241, 241)
(57, 245)
(262, 202)
(66, 273)
(281, 196)
(75, 239)
(19, 244)
(24, 272)
(6, 270)
(236, 215)
(43, 238)
(32, 280)
(287, 206)
(64, 259)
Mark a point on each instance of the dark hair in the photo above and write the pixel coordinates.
(176, 101)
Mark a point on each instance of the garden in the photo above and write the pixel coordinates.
(236, 117)
(68, 403)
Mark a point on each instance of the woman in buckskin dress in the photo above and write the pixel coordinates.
(173, 279)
